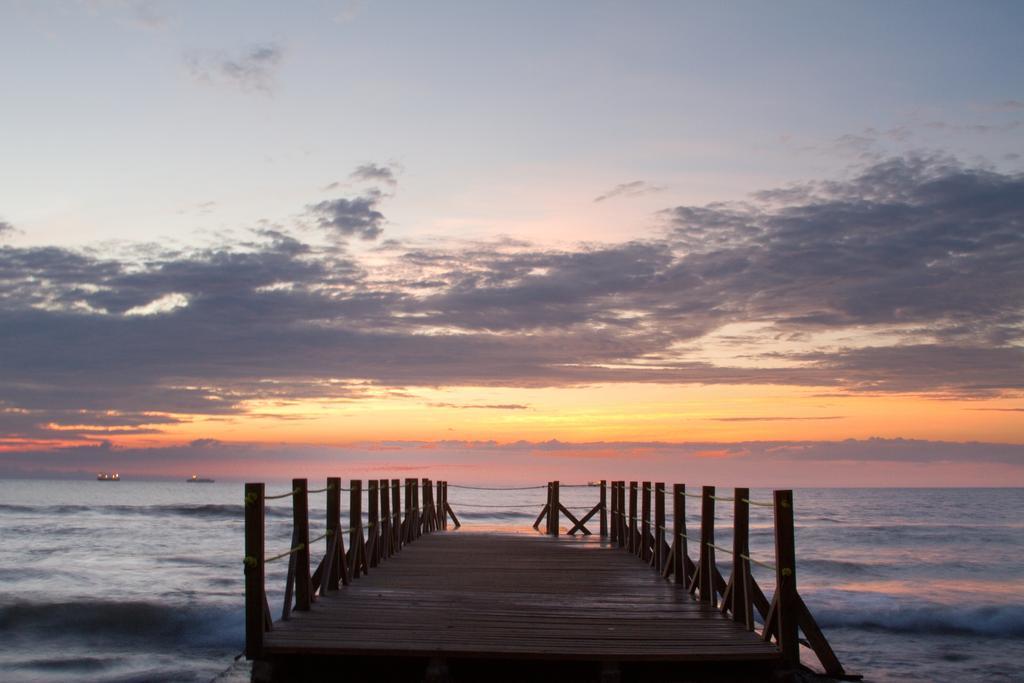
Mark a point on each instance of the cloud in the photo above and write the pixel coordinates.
(755, 418)
(764, 463)
(252, 70)
(5, 227)
(351, 217)
(906, 277)
(494, 406)
(375, 173)
(635, 188)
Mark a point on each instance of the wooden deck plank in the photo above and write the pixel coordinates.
(472, 594)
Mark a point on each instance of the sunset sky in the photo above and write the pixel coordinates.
(736, 243)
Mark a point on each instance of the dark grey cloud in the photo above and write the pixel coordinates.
(357, 216)
(925, 250)
(251, 70)
(375, 173)
(5, 227)
(634, 188)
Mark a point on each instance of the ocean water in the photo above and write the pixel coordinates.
(142, 581)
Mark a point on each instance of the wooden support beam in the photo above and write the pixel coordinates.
(542, 515)
(581, 524)
(452, 514)
(614, 538)
(816, 639)
(255, 620)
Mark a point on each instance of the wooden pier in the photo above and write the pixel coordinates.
(404, 602)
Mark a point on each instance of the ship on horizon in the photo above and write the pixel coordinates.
(196, 479)
(103, 476)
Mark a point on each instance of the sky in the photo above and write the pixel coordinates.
(765, 244)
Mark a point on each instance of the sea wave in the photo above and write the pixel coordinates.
(999, 621)
(205, 511)
(103, 622)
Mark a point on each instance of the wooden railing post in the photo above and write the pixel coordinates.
(604, 508)
(659, 525)
(407, 523)
(334, 527)
(707, 553)
(415, 508)
(624, 541)
(739, 598)
(384, 491)
(645, 522)
(373, 530)
(553, 514)
(679, 533)
(440, 515)
(300, 519)
(785, 579)
(355, 522)
(632, 543)
(255, 612)
(424, 525)
(396, 512)
(614, 537)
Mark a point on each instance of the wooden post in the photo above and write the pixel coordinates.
(386, 538)
(334, 526)
(785, 579)
(739, 598)
(373, 530)
(604, 508)
(623, 538)
(632, 543)
(707, 553)
(553, 513)
(444, 510)
(407, 524)
(615, 514)
(659, 525)
(679, 533)
(429, 515)
(396, 503)
(645, 522)
(255, 623)
(355, 522)
(440, 516)
(300, 520)
(415, 508)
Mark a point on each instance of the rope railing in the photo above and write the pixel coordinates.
(281, 495)
(663, 544)
(380, 524)
(639, 523)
